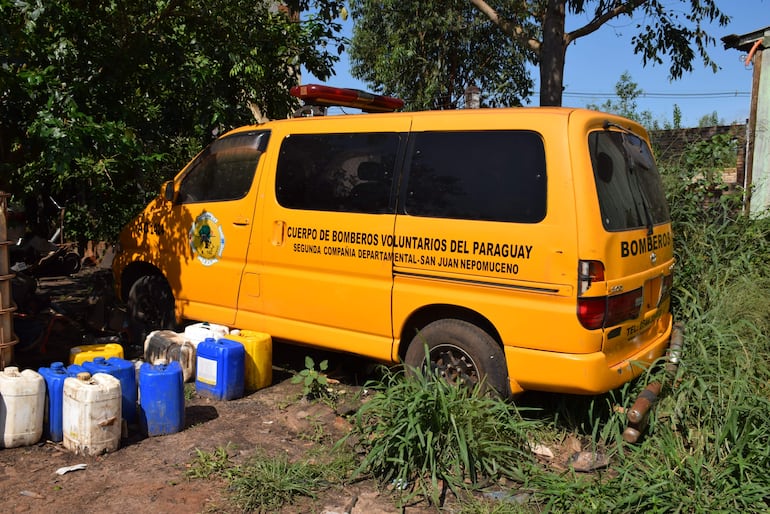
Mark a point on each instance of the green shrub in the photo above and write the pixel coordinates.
(710, 157)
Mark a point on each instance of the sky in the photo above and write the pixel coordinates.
(595, 63)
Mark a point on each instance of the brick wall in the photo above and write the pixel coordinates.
(669, 145)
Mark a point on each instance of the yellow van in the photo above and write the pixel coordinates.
(530, 246)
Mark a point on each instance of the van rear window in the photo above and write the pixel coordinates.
(630, 190)
(481, 175)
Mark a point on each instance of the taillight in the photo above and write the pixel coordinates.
(608, 311)
(591, 312)
(589, 272)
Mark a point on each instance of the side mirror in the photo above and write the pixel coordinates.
(167, 191)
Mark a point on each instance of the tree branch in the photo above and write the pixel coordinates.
(516, 32)
(593, 25)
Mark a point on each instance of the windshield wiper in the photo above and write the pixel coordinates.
(645, 206)
(608, 124)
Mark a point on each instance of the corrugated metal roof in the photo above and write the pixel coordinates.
(746, 41)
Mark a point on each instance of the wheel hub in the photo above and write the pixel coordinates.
(454, 365)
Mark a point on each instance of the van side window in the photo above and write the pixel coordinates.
(224, 170)
(337, 172)
(480, 175)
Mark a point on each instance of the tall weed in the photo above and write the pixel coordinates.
(714, 242)
(424, 436)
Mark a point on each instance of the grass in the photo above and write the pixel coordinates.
(423, 437)
(266, 483)
(207, 465)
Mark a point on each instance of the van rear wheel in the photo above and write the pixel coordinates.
(461, 353)
(150, 307)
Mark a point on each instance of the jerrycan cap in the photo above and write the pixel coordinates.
(11, 371)
(84, 376)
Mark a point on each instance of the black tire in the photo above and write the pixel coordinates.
(71, 263)
(150, 307)
(462, 353)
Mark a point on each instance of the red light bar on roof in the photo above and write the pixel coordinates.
(314, 94)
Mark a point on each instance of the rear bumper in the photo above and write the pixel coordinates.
(589, 373)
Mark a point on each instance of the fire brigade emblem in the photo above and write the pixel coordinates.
(207, 240)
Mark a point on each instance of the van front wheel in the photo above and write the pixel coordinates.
(150, 307)
(460, 352)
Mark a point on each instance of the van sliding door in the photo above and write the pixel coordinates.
(326, 268)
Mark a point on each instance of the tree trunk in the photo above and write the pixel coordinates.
(552, 54)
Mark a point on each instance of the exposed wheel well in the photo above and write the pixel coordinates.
(431, 313)
(132, 273)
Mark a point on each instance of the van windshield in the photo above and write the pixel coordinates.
(630, 191)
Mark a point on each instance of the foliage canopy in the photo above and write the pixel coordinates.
(668, 29)
(102, 101)
(428, 53)
(393, 47)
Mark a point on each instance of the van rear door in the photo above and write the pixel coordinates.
(639, 256)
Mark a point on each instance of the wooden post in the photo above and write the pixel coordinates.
(7, 336)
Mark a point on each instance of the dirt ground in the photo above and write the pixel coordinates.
(148, 474)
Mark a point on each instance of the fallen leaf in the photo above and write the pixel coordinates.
(541, 450)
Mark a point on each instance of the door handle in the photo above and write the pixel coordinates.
(241, 221)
